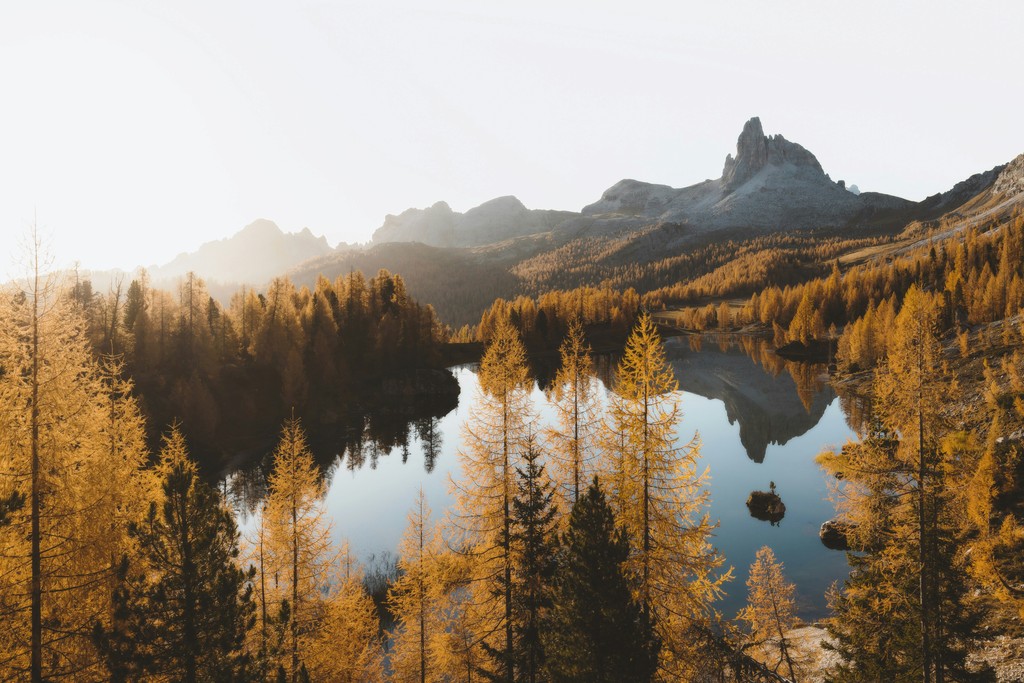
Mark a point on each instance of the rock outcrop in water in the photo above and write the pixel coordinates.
(766, 506)
(835, 535)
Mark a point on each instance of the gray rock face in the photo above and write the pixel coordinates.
(754, 151)
(771, 183)
(751, 155)
(1011, 179)
(493, 221)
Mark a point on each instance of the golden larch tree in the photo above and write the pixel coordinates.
(662, 498)
(346, 646)
(493, 437)
(299, 536)
(770, 612)
(906, 609)
(574, 398)
(70, 444)
(455, 648)
(415, 598)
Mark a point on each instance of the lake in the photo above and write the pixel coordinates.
(760, 420)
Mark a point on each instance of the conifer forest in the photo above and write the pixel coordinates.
(579, 548)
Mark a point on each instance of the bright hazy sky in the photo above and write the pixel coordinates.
(136, 130)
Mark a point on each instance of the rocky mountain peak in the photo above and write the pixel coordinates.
(253, 255)
(751, 155)
(260, 228)
(493, 221)
(498, 209)
(1010, 181)
(754, 151)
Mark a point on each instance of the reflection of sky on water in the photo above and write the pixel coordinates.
(800, 483)
(369, 506)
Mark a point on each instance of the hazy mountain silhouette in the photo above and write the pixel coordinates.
(254, 255)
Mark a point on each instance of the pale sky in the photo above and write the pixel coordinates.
(136, 130)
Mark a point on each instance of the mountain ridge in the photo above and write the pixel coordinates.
(253, 255)
(493, 221)
(462, 261)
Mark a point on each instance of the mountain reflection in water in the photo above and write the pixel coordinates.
(772, 399)
(761, 419)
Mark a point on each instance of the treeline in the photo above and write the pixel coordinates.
(770, 269)
(458, 283)
(713, 267)
(977, 277)
(544, 321)
(461, 283)
(216, 368)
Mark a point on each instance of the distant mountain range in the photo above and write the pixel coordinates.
(254, 255)
(493, 221)
(460, 262)
(771, 184)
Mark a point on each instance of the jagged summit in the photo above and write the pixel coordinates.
(755, 150)
(771, 184)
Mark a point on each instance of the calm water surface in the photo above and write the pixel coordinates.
(759, 421)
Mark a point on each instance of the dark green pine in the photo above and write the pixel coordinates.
(182, 609)
(595, 631)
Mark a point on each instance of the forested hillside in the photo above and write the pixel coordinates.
(229, 373)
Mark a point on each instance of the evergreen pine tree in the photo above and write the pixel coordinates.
(184, 607)
(534, 555)
(596, 632)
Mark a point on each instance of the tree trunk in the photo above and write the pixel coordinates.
(423, 599)
(295, 592)
(192, 647)
(507, 543)
(926, 645)
(37, 565)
